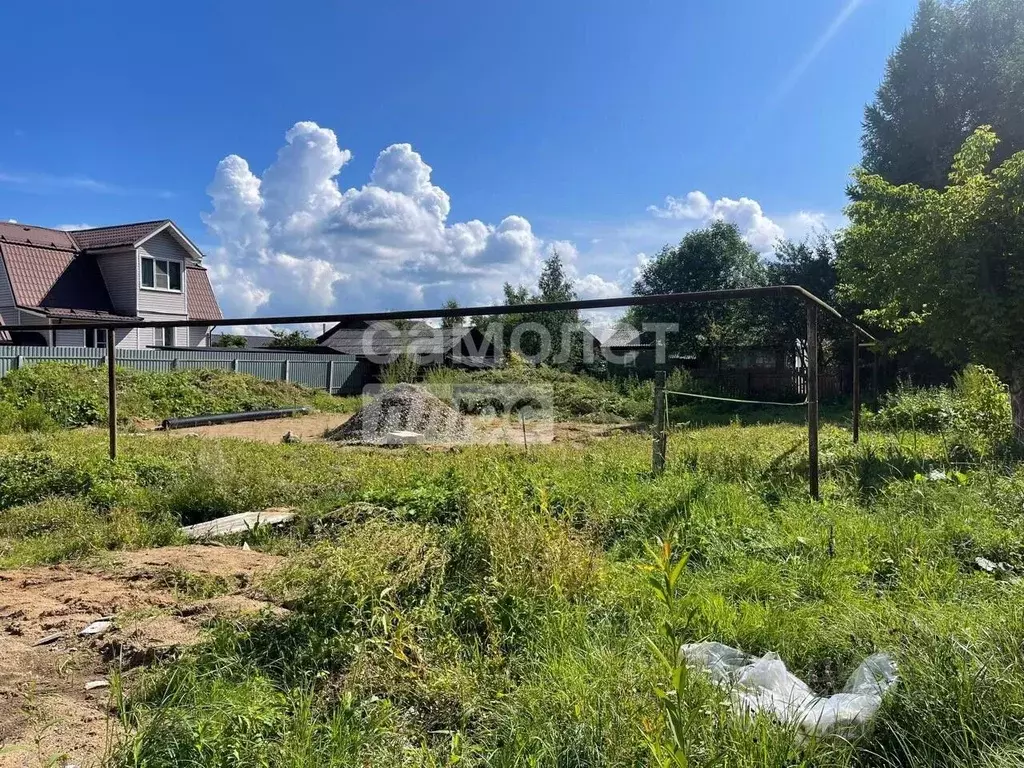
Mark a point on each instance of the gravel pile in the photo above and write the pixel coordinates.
(406, 408)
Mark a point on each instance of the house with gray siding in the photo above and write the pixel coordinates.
(144, 271)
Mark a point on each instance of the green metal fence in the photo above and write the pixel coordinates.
(338, 374)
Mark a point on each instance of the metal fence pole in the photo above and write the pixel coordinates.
(812, 398)
(330, 377)
(285, 369)
(874, 376)
(658, 427)
(112, 392)
(856, 387)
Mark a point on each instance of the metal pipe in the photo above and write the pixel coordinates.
(501, 309)
(112, 392)
(812, 399)
(856, 388)
(658, 425)
(232, 418)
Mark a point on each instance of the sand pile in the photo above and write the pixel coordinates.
(406, 408)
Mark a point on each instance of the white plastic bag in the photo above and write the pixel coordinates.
(765, 685)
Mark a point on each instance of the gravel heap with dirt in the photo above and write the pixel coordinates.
(405, 408)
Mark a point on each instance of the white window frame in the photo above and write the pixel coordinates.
(99, 338)
(165, 265)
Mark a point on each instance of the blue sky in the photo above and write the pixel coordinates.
(573, 122)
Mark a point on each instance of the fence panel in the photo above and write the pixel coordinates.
(340, 374)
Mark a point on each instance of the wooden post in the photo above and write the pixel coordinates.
(856, 387)
(812, 398)
(658, 427)
(112, 393)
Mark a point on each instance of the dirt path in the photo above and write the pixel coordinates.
(158, 600)
(487, 431)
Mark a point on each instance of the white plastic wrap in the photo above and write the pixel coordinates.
(765, 685)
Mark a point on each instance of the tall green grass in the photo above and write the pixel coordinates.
(492, 607)
(48, 396)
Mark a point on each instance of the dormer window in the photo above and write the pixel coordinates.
(161, 275)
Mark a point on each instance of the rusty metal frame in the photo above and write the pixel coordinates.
(813, 304)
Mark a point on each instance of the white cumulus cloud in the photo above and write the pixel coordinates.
(757, 229)
(293, 240)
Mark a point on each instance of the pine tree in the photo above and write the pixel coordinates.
(958, 66)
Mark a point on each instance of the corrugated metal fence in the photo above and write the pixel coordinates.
(338, 374)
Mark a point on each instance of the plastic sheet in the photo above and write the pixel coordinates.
(757, 685)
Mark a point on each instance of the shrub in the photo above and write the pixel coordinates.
(975, 408)
(402, 370)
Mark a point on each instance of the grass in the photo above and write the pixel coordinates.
(53, 395)
(490, 607)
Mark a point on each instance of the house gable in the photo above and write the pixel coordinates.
(163, 247)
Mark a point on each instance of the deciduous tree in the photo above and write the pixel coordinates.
(946, 267)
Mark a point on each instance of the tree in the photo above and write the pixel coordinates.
(945, 268)
(232, 340)
(781, 322)
(290, 339)
(562, 328)
(452, 322)
(706, 259)
(958, 66)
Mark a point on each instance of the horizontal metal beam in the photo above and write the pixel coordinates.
(500, 309)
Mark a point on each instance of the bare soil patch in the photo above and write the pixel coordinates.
(310, 427)
(158, 601)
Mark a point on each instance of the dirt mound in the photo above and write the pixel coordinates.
(157, 601)
(406, 408)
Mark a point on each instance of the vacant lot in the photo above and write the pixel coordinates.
(493, 606)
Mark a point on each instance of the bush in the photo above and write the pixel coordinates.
(977, 407)
(402, 370)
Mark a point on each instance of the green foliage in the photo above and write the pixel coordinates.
(402, 370)
(42, 396)
(232, 340)
(290, 339)
(781, 322)
(959, 66)
(452, 322)
(976, 409)
(491, 608)
(561, 342)
(706, 259)
(945, 269)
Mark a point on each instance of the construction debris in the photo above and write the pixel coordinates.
(93, 685)
(48, 639)
(97, 627)
(240, 523)
(401, 413)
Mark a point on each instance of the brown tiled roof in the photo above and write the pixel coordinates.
(202, 304)
(25, 234)
(80, 314)
(54, 272)
(116, 236)
(47, 277)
